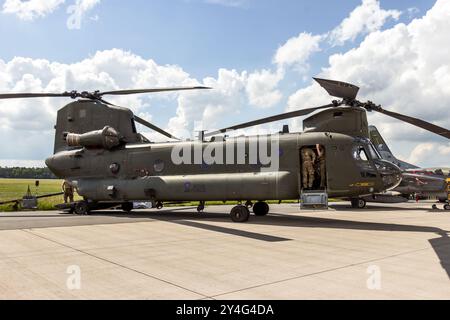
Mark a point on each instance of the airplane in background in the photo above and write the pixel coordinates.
(421, 182)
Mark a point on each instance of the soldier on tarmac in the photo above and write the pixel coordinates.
(308, 160)
(68, 190)
(321, 164)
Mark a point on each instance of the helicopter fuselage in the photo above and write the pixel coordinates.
(225, 169)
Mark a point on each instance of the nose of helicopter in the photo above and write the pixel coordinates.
(391, 174)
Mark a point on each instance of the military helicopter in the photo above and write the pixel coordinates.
(98, 149)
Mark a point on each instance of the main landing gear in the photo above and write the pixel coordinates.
(261, 209)
(241, 213)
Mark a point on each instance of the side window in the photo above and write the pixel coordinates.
(359, 153)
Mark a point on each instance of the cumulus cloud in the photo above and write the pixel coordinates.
(421, 154)
(118, 69)
(297, 50)
(404, 68)
(31, 9)
(261, 88)
(366, 18)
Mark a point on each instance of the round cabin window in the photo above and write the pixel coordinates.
(158, 166)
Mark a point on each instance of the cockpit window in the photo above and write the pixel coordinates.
(360, 154)
(373, 152)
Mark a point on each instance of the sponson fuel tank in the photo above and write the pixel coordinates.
(239, 186)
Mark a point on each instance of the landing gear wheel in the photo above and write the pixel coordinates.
(82, 208)
(159, 205)
(127, 207)
(359, 203)
(240, 214)
(261, 209)
(447, 207)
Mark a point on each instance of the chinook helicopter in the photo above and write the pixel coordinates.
(98, 149)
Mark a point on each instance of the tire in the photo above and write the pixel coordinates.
(447, 207)
(127, 207)
(261, 209)
(358, 203)
(82, 208)
(240, 214)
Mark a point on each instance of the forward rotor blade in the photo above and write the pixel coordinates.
(417, 122)
(279, 117)
(137, 91)
(153, 127)
(339, 89)
(33, 95)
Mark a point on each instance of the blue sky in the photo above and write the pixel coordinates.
(202, 37)
(199, 36)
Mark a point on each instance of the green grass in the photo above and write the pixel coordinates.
(12, 189)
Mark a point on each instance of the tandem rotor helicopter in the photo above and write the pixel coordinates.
(98, 149)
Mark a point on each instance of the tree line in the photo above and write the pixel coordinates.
(26, 173)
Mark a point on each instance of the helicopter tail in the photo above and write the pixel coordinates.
(382, 147)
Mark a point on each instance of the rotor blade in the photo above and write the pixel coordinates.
(417, 122)
(153, 127)
(137, 91)
(339, 89)
(33, 95)
(279, 117)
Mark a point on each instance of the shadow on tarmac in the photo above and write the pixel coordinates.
(190, 217)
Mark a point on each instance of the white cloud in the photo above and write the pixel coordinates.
(117, 69)
(31, 9)
(297, 50)
(422, 153)
(366, 18)
(406, 69)
(207, 109)
(261, 88)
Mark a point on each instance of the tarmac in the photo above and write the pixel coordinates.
(399, 251)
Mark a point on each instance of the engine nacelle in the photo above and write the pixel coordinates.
(107, 138)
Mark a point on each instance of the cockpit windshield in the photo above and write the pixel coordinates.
(374, 154)
(366, 152)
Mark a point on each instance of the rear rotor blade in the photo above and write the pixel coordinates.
(279, 117)
(416, 122)
(153, 127)
(138, 91)
(339, 89)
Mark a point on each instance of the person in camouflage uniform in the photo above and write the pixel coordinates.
(308, 160)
